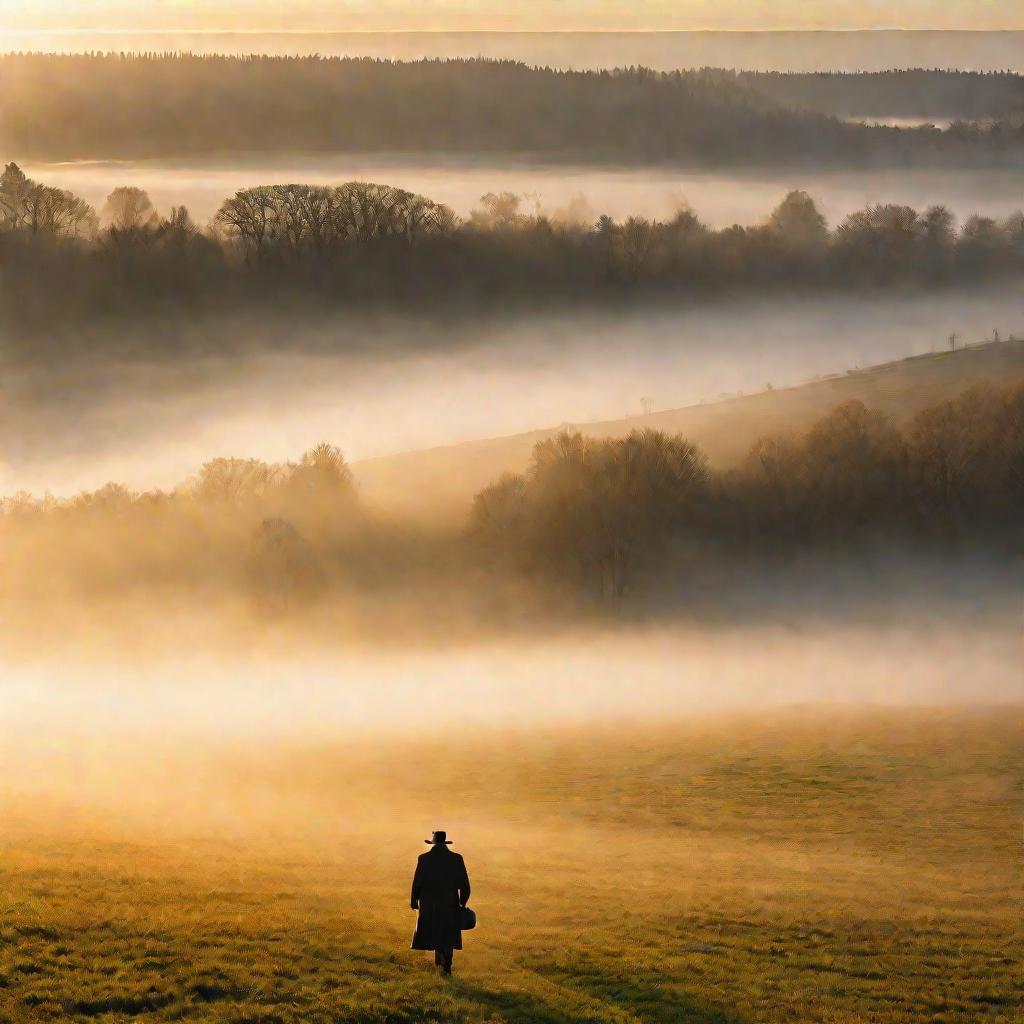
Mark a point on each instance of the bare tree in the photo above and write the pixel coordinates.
(130, 210)
(301, 220)
(233, 481)
(14, 190)
(498, 211)
(54, 212)
(249, 216)
(634, 243)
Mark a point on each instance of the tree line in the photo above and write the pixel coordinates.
(913, 92)
(366, 245)
(105, 106)
(603, 512)
(591, 520)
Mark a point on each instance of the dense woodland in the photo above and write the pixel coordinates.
(589, 523)
(368, 246)
(607, 512)
(911, 93)
(172, 105)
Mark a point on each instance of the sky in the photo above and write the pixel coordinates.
(498, 15)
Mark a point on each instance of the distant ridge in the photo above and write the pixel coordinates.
(442, 481)
(666, 50)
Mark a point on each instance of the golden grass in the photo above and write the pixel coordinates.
(802, 866)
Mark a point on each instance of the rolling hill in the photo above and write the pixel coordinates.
(442, 481)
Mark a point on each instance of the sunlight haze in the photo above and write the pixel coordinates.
(587, 433)
(490, 15)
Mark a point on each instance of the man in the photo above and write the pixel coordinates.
(440, 889)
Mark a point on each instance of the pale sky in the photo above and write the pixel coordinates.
(496, 15)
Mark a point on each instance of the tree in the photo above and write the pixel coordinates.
(498, 212)
(249, 216)
(323, 468)
(597, 510)
(633, 243)
(54, 212)
(855, 465)
(649, 484)
(283, 567)
(939, 228)
(880, 242)
(966, 457)
(14, 190)
(299, 221)
(132, 225)
(129, 210)
(499, 519)
(774, 486)
(799, 225)
(111, 499)
(320, 486)
(938, 242)
(983, 245)
(178, 231)
(318, 494)
(425, 217)
(1013, 228)
(234, 481)
(564, 518)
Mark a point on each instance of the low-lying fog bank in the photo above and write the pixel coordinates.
(719, 199)
(380, 386)
(624, 676)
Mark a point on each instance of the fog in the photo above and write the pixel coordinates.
(356, 757)
(718, 199)
(376, 387)
(289, 744)
(621, 676)
(773, 683)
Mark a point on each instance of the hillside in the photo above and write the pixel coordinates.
(441, 481)
(106, 106)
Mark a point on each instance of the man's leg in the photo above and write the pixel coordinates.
(448, 955)
(439, 958)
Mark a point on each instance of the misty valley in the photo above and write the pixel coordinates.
(620, 468)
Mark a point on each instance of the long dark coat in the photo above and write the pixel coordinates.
(440, 887)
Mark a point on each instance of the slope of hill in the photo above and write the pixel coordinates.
(441, 481)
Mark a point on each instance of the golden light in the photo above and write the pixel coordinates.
(21, 16)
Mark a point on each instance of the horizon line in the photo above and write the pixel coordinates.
(506, 31)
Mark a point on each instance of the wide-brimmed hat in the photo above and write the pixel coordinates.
(439, 839)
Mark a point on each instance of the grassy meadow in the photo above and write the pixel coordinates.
(808, 865)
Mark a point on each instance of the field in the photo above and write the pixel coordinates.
(802, 865)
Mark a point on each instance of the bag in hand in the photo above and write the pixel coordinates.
(467, 919)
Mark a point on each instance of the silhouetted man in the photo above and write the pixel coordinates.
(440, 889)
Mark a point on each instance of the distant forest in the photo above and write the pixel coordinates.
(370, 246)
(948, 95)
(67, 107)
(591, 521)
